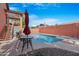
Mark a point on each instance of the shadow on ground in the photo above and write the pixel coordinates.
(50, 52)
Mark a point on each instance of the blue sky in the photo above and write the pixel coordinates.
(48, 13)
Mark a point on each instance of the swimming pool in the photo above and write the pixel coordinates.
(45, 38)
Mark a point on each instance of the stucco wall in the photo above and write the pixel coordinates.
(2, 17)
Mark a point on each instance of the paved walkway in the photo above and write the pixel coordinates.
(5, 45)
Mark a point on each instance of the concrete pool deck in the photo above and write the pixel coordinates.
(59, 44)
(11, 49)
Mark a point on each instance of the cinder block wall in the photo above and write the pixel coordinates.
(77, 26)
(71, 30)
(34, 31)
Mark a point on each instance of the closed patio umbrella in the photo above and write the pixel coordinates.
(26, 29)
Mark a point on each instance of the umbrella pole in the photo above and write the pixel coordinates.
(27, 42)
(30, 41)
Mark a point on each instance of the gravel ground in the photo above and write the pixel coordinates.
(50, 52)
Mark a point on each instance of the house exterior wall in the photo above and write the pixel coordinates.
(2, 16)
(6, 18)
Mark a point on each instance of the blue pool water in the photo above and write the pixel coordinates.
(45, 38)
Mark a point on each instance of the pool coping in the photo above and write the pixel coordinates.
(66, 39)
